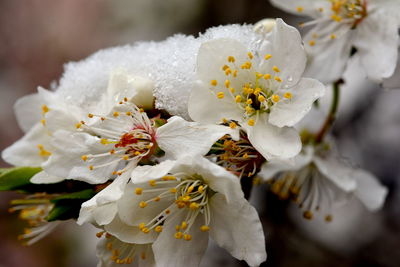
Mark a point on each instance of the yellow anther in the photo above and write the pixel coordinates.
(128, 113)
(225, 67)
(299, 9)
(249, 101)
(257, 91)
(168, 178)
(321, 9)
(245, 156)
(156, 199)
(328, 218)
(227, 83)
(172, 190)
(238, 99)
(142, 225)
(288, 95)
(126, 157)
(142, 204)
(308, 215)
(232, 90)
(90, 115)
(78, 125)
(249, 90)
(145, 230)
(311, 42)
(228, 71)
(178, 235)
(246, 65)
(232, 125)
(214, 82)
(190, 189)
(167, 211)
(125, 99)
(194, 206)
(275, 98)
(143, 255)
(235, 72)
(278, 79)
(336, 18)
(186, 198)
(43, 122)
(102, 118)
(184, 225)
(220, 95)
(267, 56)
(112, 151)
(137, 153)
(258, 75)
(91, 167)
(141, 110)
(84, 158)
(187, 237)
(45, 109)
(249, 109)
(261, 98)
(231, 59)
(276, 69)
(333, 36)
(251, 122)
(104, 141)
(177, 227)
(99, 234)
(152, 182)
(250, 55)
(138, 191)
(200, 189)
(204, 228)
(116, 114)
(158, 229)
(43, 152)
(267, 76)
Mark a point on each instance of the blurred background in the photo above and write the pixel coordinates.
(38, 36)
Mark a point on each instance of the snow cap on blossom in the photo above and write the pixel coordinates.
(369, 26)
(258, 87)
(180, 204)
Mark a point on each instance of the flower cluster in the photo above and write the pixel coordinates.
(159, 144)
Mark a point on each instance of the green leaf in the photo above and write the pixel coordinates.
(15, 178)
(81, 195)
(63, 213)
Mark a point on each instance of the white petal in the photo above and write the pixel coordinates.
(336, 171)
(309, 7)
(394, 81)
(25, 151)
(28, 111)
(289, 112)
(61, 120)
(45, 178)
(104, 214)
(287, 53)
(327, 59)
(377, 42)
(172, 252)
(66, 161)
(273, 167)
(369, 190)
(145, 173)
(205, 107)
(236, 227)
(129, 234)
(178, 137)
(273, 142)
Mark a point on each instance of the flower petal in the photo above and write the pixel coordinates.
(290, 112)
(45, 178)
(25, 151)
(287, 53)
(28, 111)
(142, 174)
(369, 190)
(129, 234)
(236, 227)
(273, 142)
(336, 171)
(172, 252)
(178, 137)
(308, 7)
(377, 42)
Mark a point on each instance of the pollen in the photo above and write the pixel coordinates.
(225, 67)
(184, 225)
(178, 235)
(299, 9)
(158, 229)
(126, 157)
(104, 141)
(116, 114)
(311, 42)
(267, 76)
(249, 101)
(238, 99)
(142, 204)
(267, 56)
(227, 83)
(275, 98)
(228, 71)
(145, 230)
(187, 237)
(204, 228)
(78, 125)
(91, 167)
(43, 122)
(261, 98)
(220, 95)
(214, 82)
(84, 158)
(200, 189)
(258, 75)
(288, 95)
(250, 55)
(232, 125)
(235, 72)
(333, 36)
(251, 122)
(152, 182)
(308, 215)
(231, 59)
(276, 69)
(194, 206)
(232, 90)
(138, 191)
(172, 190)
(257, 91)
(278, 79)
(45, 109)
(90, 115)
(128, 113)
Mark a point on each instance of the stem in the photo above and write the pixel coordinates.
(330, 119)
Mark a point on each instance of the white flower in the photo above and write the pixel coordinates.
(112, 252)
(317, 180)
(371, 26)
(182, 201)
(393, 82)
(262, 90)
